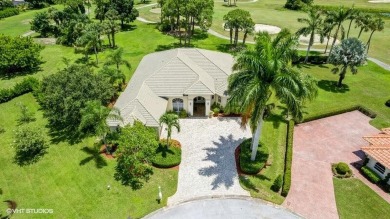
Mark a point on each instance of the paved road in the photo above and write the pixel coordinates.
(223, 208)
(317, 144)
(208, 166)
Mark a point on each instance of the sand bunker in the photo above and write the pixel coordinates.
(304, 40)
(379, 1)
(156, 10)
(263, 28)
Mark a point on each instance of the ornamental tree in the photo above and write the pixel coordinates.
(30, 145)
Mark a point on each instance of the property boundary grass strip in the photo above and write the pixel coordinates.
(288, 159)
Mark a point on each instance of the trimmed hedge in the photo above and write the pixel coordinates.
(362, 109)
(371, 175)
(313, 59)
(8, 12)
(288, 159)
(27, 85)
(246, 164)
(341, 170)
(277, 184)
(366, 10)
(167, 157)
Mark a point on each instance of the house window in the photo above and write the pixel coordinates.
(177, 104)
(379, 167)
(219, 99)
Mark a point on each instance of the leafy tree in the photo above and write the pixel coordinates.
(126, 11)
(376, 25)
(93, 119)
(137, 145)
(349, 54)
(26, 115)
(237, 20)
(65, 94)
(171, 120)
(265, 72)
(313, 26)
(41, 24)
(114, 76)
(38, 3)
(297, 4)
(19, 54)
(110, 26)
(30, 145)
(116, 58)
(91, 39)
(337, 18)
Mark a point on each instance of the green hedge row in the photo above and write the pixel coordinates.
(288, 159)
(27, 85)
(371, 175)
(362, 109)
(366, 10)
(8, 12)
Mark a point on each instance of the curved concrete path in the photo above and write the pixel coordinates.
(208, 166)
(223, 208)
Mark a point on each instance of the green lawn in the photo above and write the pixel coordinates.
(354, 199)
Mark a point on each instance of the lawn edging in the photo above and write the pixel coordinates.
(288, 159)
(360, 108)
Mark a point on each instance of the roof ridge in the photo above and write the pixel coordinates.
(138, 100)
(199, 50)
(195, 84)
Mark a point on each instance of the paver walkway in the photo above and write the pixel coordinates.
(208, 167)
(226, 208)
(317, 144)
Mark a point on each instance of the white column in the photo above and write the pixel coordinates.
(190, 107)
(208, 105)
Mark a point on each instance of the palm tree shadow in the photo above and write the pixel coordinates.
(223, 170)
(277, 119)
(94, 154)
(164, 150)
(331, 86)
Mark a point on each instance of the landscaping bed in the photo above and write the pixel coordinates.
(167, 156)
(248, 166)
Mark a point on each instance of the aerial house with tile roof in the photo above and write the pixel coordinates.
(378, 152)
(178, 79)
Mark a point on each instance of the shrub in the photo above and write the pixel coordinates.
(371, 175)
(297, 4)
(183, 114)
(288, 159)
(167, 157)
(387, 103)
(362, 109)
(8, 12)
(30, 145)
(341, 170)
(27, 85)
(246, 164)
(26, 115)
(216, 111)
(217, 105)
(385, 181)
(277, 184)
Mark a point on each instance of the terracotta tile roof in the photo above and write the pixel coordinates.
(379, 147)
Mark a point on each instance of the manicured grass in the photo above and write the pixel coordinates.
(356, 200)
(369, 88)
(246, 164)
(72, 179)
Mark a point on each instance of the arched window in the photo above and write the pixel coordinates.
(177, 104)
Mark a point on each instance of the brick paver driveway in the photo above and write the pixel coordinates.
(317, 144)
(208, 166)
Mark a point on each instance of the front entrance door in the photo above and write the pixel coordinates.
(199, 106)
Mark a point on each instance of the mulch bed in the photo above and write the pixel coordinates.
(108, 156)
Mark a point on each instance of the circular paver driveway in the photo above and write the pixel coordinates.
(208, 167)
(223, 208)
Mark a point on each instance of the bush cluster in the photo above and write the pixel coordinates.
(27, 85)
(167, 156)
(246, 164)
(313, 59)
(217, 108)
(8, 12)
(362, 109)
(341, 170)
(277, 184)
(297, 4)
(288, 159)
(371, 175)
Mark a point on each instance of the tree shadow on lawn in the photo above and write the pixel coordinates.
(59, 134)
(128, 27)
(223, 169)
(164, 150)
(247, 183)
(331, 86)
(94, 154)
(309, 65)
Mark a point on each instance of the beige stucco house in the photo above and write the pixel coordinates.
(177, 79)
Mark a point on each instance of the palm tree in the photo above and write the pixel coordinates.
(376, 25)
(171, 120)
(264, 72)
(115, 58)
(352, 16)
(314, 25)
(363, 21)
(94, 119)
(349, 54)
(337, 17)
(327, 32)
(113, 76)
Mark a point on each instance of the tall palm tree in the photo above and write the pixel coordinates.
(313, 26)
(337, 17)
(354, 14)
(94, 119)
(115, 58)
(113, 76)
(171, 120)
(376, 25)
(327, 32)
(363, 21)
(263, 72)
